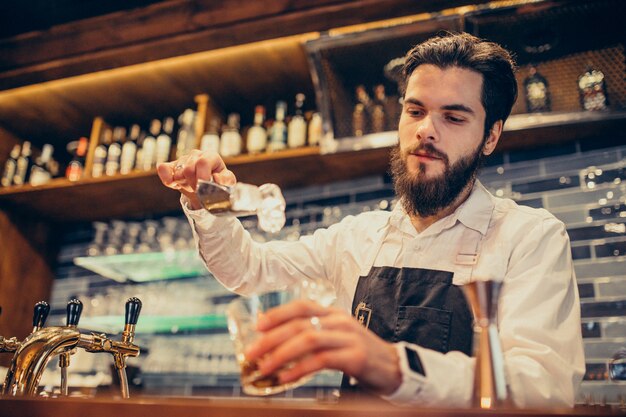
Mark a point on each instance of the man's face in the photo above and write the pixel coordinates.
(441, 134)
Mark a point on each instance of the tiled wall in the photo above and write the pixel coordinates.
(582, 186)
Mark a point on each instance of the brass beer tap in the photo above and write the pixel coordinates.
(33, 354)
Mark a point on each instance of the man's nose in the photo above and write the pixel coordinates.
(426, 129)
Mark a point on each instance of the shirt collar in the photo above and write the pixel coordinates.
(474, 213)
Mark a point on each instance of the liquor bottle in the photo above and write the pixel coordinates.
(230, 142)
(257, 135)
(359, 120)
(10, 167)
(592, 89)
(148, 149)
(114, 153)
(537, 92)
(315, 129)
(362, 112)
(278, 132)
(186, 140)
(75, 168)
(22, 171)
(378, 120)
(39, 173)
(164, 141)
(210, 141)
(129, 150)
(296, 129)
(100, 153)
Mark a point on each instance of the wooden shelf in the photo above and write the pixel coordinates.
(142, 193)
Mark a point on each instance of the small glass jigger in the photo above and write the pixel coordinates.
(617, 365)
(266, 201)
(490, 387)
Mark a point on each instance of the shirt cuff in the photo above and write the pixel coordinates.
(412, 381)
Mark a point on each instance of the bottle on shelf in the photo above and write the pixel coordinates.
(379, 117)
(75, 168)
(537, 92)
(210, 141)
(278, 132)
(164, 141)
(100, 153)
(114, 153)
(257, 135)
(592, 90)
(10, 166)
(296, 130)
(129, 150)
(40, 171)
(358, 120)
(186, 140)
(148, 149)
(230, 142)
(315, 129)
(24, 162)
(361, 116)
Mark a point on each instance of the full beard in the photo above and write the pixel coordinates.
(426, 197)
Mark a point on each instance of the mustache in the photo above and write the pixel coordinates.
(427, 148)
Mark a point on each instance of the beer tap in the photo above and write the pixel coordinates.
(74, 310)
(120, 350)
(33, 354)
(40, 315)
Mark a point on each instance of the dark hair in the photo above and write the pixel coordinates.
(493, 62)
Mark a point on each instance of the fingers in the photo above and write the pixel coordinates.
(295, 309)
(329, 359)
(187, 170)
(303, 345)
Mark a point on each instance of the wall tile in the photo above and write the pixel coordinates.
(603, 309)
(614, 328)
(605, 268)
(612, 287)
(601, 350)
(586, 290)
(591, 329)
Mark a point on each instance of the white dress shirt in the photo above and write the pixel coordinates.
(538, 311)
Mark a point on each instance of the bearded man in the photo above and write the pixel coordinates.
(401, 328)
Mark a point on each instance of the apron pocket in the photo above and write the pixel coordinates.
(424, 326)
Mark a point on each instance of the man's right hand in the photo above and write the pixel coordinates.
(183, 174)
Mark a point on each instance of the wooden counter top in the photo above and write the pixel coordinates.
(245, 407)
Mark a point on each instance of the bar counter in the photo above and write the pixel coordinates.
(247, 407)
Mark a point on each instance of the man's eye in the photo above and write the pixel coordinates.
(415, 112)
(455, 119)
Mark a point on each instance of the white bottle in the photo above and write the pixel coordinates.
(278, 135)
(296, 131)
(164, 141)
(114, 152)
(148, 150)
(129, 150)
(315, 129)
(186, 140)
(257, 135)
(230, 142)
(210, 141)
(39, 173)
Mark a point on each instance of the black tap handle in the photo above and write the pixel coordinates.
(40, 314)
(74, 309)
(133, 308)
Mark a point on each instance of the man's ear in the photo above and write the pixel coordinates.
(493, 138)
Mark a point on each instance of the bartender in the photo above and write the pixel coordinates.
(401, 328)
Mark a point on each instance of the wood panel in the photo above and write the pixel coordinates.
(28, 252)
(237, 79)
(179, 28)
(258, 407)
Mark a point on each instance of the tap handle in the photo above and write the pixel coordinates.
(40, 314)
(133, 308)
(74, 309)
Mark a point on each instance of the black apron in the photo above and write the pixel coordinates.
(416, 305)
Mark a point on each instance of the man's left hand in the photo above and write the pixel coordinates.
(338, 342)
